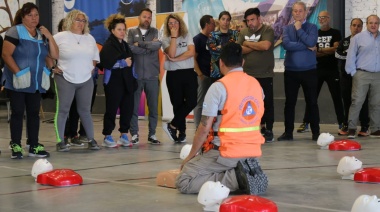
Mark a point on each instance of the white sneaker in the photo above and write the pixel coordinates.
(109, 142)
(135, 139)
(124, 141)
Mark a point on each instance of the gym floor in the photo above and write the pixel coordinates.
(302, 177)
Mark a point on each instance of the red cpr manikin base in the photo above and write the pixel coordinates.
(60, 177)
(368, 175)
(248, 203)
(344, 145)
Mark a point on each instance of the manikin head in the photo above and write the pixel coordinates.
(348, 165)
(325, 139)
(41, 166)
(212, 194)
(185, 151)
(366, 203)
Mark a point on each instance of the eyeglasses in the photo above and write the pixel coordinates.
(323, 17)
(80, 21)
(173, 23)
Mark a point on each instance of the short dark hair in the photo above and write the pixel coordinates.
(251, 11)
(205, 20)
(224, 13)
(232, 54)
(145, 9)
(358, 19)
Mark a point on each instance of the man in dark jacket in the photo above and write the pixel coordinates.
(143, 41)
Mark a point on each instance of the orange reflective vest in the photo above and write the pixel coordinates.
(239, 130)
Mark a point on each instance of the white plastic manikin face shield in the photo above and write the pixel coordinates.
(212, 194)
(185, 151)
(325, 139)
(41, 166)
(366, 203)
(348, 165)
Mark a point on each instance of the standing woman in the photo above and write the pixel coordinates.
(181, 79)
(119, 83)
(78, 57)
(25, 49)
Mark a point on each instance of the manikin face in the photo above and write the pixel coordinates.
(298, 12)
(119, 31)
(145, 19)
(253, 22)
(224, 22)
(356, 27)
(32, 19)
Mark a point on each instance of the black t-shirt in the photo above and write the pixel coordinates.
(327, 39)
(204, 56)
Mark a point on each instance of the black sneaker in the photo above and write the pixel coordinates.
(260, 179)
(181, 137)
(93, 145)
(172, 133)
(76, 142)
(38, 151)
(62, 147)
(304, 127)
(66, 141)
(268, 135)
(16, 151)
(364, 132)
(135, 139)
(285, 137)
(351, 133)
(153, 140)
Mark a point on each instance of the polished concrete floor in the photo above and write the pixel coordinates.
(301, 176)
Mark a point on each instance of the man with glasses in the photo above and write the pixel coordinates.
(327, 69)
(202, 60)
(144, 43)
(299, 40)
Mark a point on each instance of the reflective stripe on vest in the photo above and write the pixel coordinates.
(243, 129)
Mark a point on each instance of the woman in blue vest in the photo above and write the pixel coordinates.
(25, 48)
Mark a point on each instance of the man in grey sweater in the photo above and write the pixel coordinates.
(143, 41)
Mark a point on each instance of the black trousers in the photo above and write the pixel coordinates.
(72, 121)
(268, 117)
(346, 89)
(331, 77)
(29, 102)
(182, 87)
(309, 82)
(119, 93)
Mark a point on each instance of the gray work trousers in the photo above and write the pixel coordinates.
(209, 166)
(203, 86)
(362, 83)
(151, 89)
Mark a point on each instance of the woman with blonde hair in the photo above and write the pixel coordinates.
(73, 75)
(181, 79)
(119, 83)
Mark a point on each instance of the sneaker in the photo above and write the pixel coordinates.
(135, 139)
(304, 127)
(16, 151)
(363, 132)
(181, 137)
(351, 133)
(76, 142)
(343, 130)
(172, 133)
(62, 147)
(375, 134)
(260, 178)
(108, 142)
(124, 141)
(38, 151)
(153, 140)
(83, 138)
(268, 135)
(262, 130)
(285, 137)
(93, 145)
(66, 141)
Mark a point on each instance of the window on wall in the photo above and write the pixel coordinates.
(164, 6)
